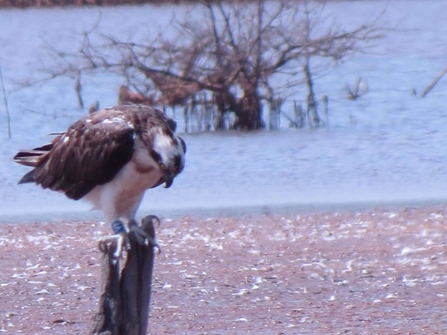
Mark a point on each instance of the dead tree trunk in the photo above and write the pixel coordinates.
(275, 114)
(312, 110)
(125, 298)
(299, 115)
(248, 112)
(325, 101)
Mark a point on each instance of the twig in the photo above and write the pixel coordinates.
(5, 101)
(78, 89)
(358, 89)
(433, 83)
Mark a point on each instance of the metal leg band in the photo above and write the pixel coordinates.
(118, 227)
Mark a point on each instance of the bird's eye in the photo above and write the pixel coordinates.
(162, 166)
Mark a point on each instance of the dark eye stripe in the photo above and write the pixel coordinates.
(155, 155)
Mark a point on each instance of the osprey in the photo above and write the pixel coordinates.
(110, 158)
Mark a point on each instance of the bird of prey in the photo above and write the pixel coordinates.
(110, 158)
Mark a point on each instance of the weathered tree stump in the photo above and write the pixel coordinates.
(125, 298)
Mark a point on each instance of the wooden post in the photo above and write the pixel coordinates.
(207, 112)
(125, 298)
(186, 117)
(299, 115)
(5, 101)
(325, 101)
(275, 114)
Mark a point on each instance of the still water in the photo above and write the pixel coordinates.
(387, 147)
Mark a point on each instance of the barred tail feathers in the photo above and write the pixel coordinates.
(31, 158)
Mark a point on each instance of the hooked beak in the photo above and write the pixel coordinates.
(168, 180)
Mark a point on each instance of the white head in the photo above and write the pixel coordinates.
(168, 151)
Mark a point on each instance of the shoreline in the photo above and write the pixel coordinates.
(227, 211)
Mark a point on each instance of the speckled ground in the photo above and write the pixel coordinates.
(377, 272)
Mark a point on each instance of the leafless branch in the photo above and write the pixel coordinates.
(233, 55)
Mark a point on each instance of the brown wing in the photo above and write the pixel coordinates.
(90, 153)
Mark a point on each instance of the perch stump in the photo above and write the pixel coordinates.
(125, 294)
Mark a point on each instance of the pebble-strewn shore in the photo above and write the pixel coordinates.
(376, 272)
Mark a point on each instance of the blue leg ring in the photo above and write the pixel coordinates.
(118, 227)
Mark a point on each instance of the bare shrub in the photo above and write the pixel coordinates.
(240, 53)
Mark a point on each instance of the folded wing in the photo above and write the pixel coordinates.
(90, 153)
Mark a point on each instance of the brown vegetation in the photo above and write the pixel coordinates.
(245, 56)
(125, 96)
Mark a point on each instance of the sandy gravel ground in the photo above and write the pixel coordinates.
(377, 272)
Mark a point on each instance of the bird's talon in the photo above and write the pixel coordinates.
(152, 219)
(156, 246)
(114, 245)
